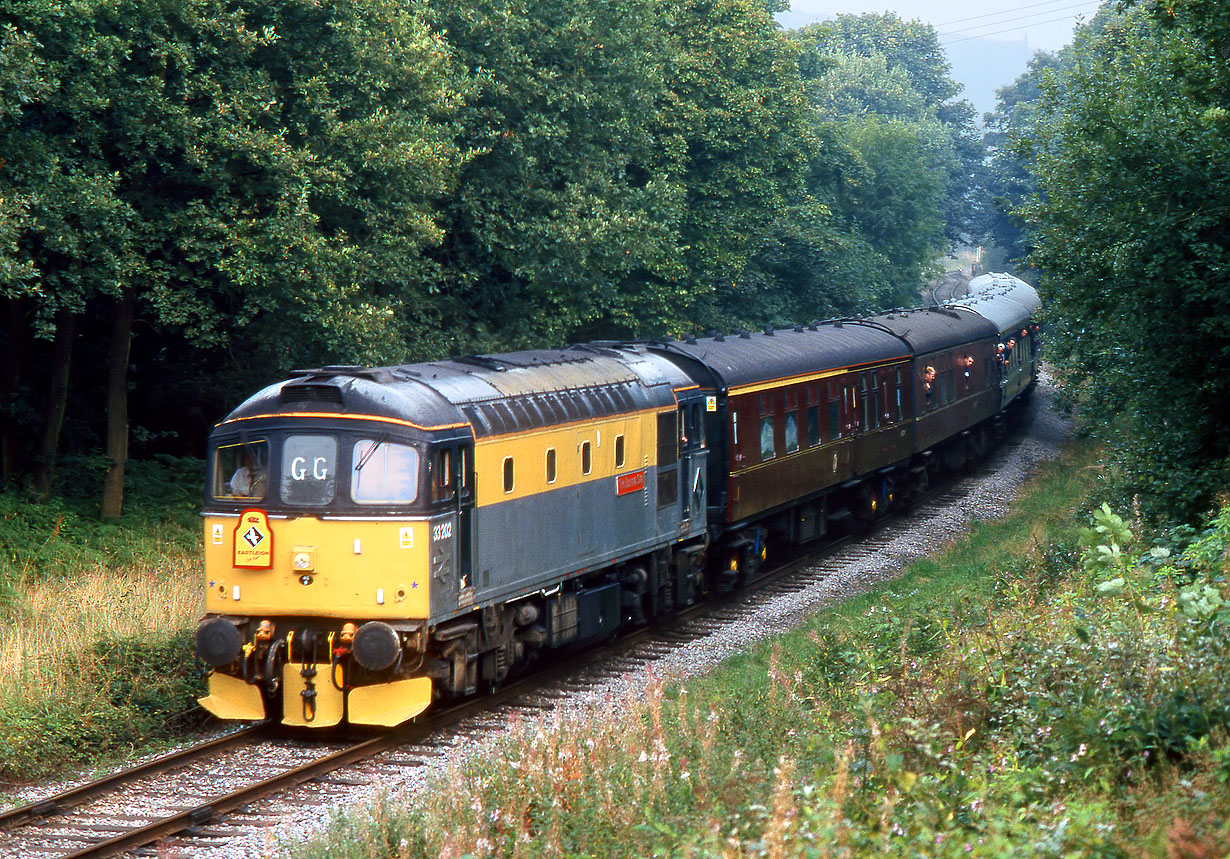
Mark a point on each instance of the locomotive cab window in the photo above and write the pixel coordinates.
(442, 475)
(383, 472)
(240, 470)
(309, 470)
(587, 459)
(508, 474)
(551, 465)
(619, 451)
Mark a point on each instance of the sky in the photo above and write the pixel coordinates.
(1043, 25)
(988, 42)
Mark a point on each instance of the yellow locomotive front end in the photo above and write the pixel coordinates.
(322, 534)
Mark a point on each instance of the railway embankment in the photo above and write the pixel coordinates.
(1053, 682)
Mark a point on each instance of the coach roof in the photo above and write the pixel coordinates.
(932, 329)
(745, 358)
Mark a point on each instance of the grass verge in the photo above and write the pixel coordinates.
(96, 657)
(1039, 690)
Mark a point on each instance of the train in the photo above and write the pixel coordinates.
(379, 539)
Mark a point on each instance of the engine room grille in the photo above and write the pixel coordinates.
(314, 393)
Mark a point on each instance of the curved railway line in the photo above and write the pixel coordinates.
(208, 795)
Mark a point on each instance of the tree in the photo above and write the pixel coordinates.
(906, 78)
(1132, 229)
(1006, 180)
(889, 161)
(215, 170)
(565, 217)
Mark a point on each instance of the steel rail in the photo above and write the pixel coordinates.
(214, 810)
(22, 815)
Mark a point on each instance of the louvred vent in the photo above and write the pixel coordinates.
(311, 393)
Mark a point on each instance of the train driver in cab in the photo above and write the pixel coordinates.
(248, 481)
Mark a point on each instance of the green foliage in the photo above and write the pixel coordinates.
(880, 65)
(1006, 181)
(368, 181)
(125, 694)
(565, 216)
(1129, 226)
(59, 537)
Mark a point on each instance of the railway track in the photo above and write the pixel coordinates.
(209, 794)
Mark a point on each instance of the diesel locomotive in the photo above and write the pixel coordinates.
(380, 538)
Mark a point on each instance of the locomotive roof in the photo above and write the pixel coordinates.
(931, 329)
(745, 358)
(1007, 301)
(492, 393)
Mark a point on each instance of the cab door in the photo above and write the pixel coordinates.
(693, 458)
(464, 479)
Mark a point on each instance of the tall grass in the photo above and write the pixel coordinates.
(95, 622)
(56, 621)
(1015, 697)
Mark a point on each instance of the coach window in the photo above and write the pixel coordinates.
(550, 465)
(768, 446)
(587, 462)
(240, 470)
(863, 400)
(383, 472)
(813, 426)
(619, 451)
(792, 432)
(508, 474)
(309, 470)
(874, 417)
(834, 420)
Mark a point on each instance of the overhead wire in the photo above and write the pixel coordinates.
(1083, 6)
(1000, 12)
(1010, 29)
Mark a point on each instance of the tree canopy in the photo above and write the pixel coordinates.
(1131, 227)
